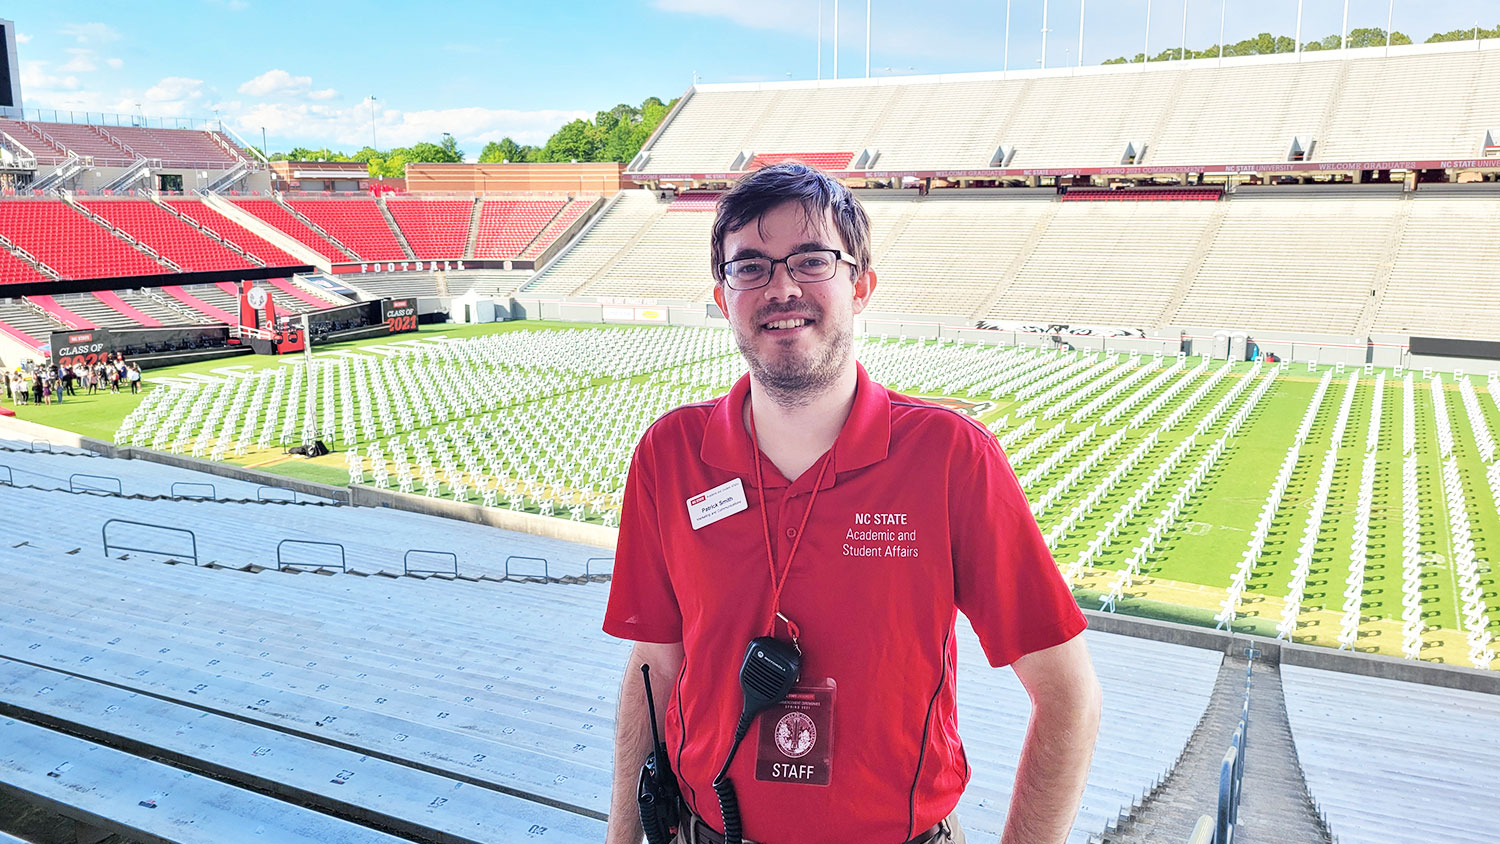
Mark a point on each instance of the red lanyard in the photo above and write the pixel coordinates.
(777, 583)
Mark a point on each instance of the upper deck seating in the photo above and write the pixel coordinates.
(47, 153)
(695, 201)
(271, 211)
(1420, 103)
(507, 226)
(69, 242)
(86, 141)
(175, 147)
(172, 238)
(434, 228)
(199, 212)
(13, 270)
(357, 223)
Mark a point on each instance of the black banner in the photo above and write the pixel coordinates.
(94, 345)
(399, 315)
(1451, 348)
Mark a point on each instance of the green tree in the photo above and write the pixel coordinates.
(1468, 33)
(576, 141)
(1267, 44)
(505, 149)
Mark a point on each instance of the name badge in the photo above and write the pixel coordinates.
(722, 501)
(796, 738)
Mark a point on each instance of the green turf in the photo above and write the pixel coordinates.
(1209, 536)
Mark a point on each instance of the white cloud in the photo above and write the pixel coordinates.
(91, 33)
(116, 64)
(276, 81)
(322, 94)
(175, 96)
(34, 77)
(82, 60)
(348, 127)
(23, 38)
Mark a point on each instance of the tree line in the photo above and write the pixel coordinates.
(614, 135)
(1265, 44)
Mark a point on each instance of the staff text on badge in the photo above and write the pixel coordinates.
(720, 502)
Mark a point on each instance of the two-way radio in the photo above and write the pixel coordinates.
(767, 675)
(657, 795)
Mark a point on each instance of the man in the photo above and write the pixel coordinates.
(917, 515)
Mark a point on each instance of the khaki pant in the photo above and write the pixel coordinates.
(954, 835)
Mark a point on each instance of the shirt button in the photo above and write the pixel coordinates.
(791, 533)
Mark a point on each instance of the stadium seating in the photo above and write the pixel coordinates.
(71, 243)
(1141, 194)
(20, 321)
(395, 284)
(199, 212)
(669, 260)
(89, 141)
(174, 239)
(274, 213)
(1394, 762)
(616, 228)
(95, 308)
(62, 313)
(436, 229)
(565, 218)
(1442, 282)
(357, 223)
(1322, 285)
(1420, 103)
(13, 270)
(695, 201)
(47, 152)
(177, 147)
(211, 311)
(508, 226)
(820, 160)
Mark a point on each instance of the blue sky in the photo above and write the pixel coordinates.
(482, 71)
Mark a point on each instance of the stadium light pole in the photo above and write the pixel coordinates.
(1299, 27)
(1223, 9)
(1182, 53)
(1390, 12)
(1007, 36)
(835, 39)
(1081, 4)
(1044, 35)
(374, 145)
(1344, 30)
(1146, 46)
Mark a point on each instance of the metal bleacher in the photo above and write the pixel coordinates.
(475, 709)
(616, 228)
(1435, 752)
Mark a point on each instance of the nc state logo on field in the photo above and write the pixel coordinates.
(796, 735)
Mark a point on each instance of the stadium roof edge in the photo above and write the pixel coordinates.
(1396, 51)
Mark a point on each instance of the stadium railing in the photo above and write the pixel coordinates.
(1219, 828)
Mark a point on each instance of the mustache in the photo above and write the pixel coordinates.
(770, 311)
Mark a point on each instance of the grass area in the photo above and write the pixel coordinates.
(1186, 576)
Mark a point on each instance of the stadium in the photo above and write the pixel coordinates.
(1231, 319)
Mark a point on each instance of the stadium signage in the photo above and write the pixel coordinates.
(399, 315)
(1136, 170)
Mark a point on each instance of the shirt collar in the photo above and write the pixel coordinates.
(864, 440)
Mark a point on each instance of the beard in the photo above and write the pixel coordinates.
(793, 379)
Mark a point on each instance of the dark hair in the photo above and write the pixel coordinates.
(791, 181)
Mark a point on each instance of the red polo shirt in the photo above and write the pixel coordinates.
(919, 515)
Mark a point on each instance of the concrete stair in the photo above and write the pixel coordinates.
(1274, 804)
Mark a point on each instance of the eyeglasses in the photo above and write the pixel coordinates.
(804, 267)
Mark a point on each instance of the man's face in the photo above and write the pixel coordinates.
(795, 336)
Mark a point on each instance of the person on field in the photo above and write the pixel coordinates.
(847, 524)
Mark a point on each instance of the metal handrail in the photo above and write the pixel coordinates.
(46, 443)
(587, 573)
(104, 538)
(406, 562)
(213, 492)
(73, 483)
(260, 494)
(546, 567)
(342, 564)
(10, 478)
